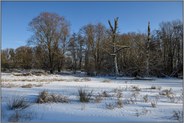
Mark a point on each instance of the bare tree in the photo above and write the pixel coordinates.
(73, 49)
(148, 50)
(24, 57)
(115, 47)
(80, 41)
(49, 29)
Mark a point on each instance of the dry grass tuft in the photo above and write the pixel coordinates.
(45, 97)
(84, 96)
(18, 103)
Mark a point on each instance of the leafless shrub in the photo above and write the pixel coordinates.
(145, 98)
(27, 86)
(45, 97)
(84, 96)
(110, 106)
(177, 115)
(18, 103)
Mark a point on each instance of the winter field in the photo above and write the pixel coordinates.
(107, 99)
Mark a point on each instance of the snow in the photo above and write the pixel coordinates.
(75, 111)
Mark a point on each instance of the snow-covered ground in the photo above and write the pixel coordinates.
(133, 96)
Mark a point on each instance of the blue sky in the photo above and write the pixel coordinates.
(133, 16)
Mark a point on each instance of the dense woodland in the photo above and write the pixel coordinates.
(99, 50)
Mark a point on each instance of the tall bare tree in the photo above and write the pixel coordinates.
(148, 50)
(49, 29)
(115, 47)
(73, 49)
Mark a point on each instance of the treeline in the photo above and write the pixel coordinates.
(97, 49)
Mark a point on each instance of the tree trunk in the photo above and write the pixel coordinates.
(59, 67)
(51, 71)
(116, 65)
(148, 51)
